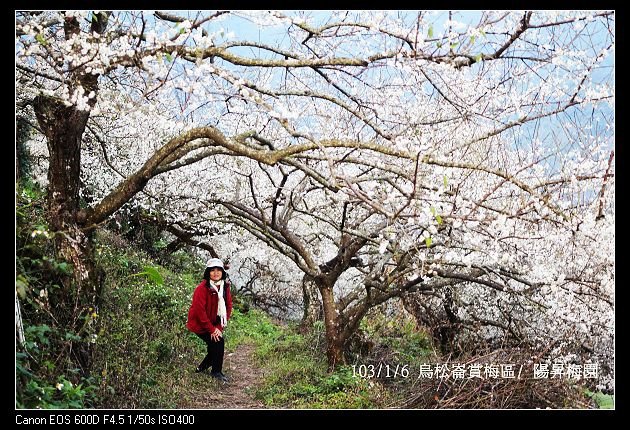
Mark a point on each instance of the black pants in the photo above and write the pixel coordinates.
(214, 358)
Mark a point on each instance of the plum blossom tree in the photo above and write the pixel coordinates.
(384, 154)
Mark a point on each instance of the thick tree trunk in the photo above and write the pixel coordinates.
(312, 304)
(64, 127)
(335, 343)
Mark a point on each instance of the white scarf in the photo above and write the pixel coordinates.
(221, 311)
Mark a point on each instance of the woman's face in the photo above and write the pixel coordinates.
(216, 274)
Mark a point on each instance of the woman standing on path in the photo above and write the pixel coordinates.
(209, 313)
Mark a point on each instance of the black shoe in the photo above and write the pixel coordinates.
(199, 370)
(220, 376)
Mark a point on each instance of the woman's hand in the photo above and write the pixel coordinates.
(216, 335)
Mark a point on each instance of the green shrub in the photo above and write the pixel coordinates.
(603, 401)
(46, 376)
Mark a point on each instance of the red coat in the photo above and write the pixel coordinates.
(203, 310)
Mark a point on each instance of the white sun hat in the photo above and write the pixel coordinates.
(215, 262)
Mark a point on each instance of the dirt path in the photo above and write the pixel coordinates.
(245, 376)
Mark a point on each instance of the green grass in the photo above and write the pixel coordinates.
(145, 344)
(142, 353)
(297, 377)
(250, 327)
(142, 339)
(603, 401)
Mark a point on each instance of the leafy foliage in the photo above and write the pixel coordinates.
(142, 336)
(45, 376)
(603, 401)
(152, 273)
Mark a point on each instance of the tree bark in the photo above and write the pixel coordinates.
(312, 305)
(335, 343)
(63, 127)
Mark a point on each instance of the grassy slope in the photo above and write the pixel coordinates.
(144, 349)
(143, 354)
